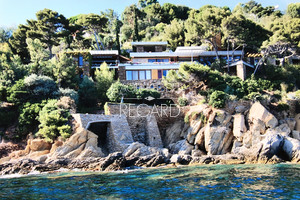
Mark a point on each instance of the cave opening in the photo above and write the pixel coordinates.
(101, 129)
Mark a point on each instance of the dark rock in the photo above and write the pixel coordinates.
(157, 160)
(110, 159)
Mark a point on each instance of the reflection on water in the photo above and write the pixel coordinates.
(201, 182)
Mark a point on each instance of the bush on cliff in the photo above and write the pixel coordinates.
(54, 122)
(118, 90)
(18, 93)
(103, 80)
(41, 87)
(182, 101)
(87, 93)
(217, 99)
(67, 92)
(28, 119)
(34, 89)
(144, 93)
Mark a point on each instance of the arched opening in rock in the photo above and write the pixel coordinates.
(101, 129)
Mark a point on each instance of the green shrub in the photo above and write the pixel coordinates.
(67, 92)
(18, 93)
(53, 122)
(186, 119)
(281, 106)
(203, 93)
(144, 93)
(28, 119)
(87, 93)
(41, 87)
(182, 101)
(118, 90)
(254, 96)
(217, 99)
(103, 80)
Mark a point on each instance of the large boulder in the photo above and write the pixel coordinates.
(39, 145)
(182, 147)
(291, 147)
(220, 118)
(199, 139)
(193, 130)
(173, 133)
(261, 151)
(218, 140)
(239, 127)
(296, 135)
(83, 141)
(137, 149)
(291, 123)
(235, 147)
(283, 129)
(258, 111)
(270, 146)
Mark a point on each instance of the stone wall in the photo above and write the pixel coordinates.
(119, 137)
(148, 123)
(152, 132)
(121, 73)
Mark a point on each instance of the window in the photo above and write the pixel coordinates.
(128, 75)
(80, 60)
(138, 75)
(135, 75)
(159, 73)
(142, 75)
(148, 74)
(157, 60)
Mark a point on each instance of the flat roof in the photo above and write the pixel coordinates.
(104, 52)
(191, 48)
(241, 62)
(183, 54)
(148, 43)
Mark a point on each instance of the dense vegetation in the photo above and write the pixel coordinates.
(37, 74)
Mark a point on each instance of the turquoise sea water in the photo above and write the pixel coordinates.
(199, 182)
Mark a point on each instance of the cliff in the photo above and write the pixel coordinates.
(245, 133)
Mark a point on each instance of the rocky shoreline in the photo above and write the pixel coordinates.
(248, 134)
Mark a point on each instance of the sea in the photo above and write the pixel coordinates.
(278, 181)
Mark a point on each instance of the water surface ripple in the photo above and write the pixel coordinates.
(280, 181)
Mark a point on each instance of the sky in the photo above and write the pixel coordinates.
(15, 12)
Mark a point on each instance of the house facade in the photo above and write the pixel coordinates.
(150, 60)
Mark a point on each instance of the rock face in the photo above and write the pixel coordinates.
(173, 133)
(258, 111)
(39, 145)
(239, 127)
(297, 118)
(83, 143)
(238, 135)
(270, 146)
(182, 147)
(217, 140)
(137, 149)
(218, 133)
(291, 147)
